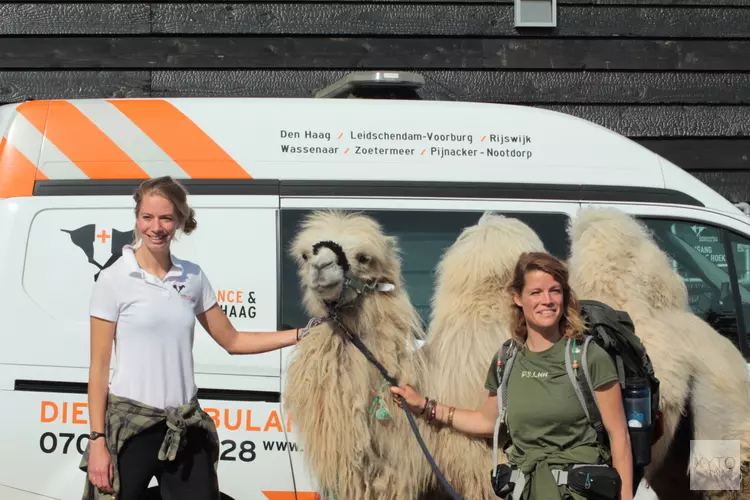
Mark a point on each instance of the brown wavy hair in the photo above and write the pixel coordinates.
(571, 322)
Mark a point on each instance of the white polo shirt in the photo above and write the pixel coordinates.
(155, 327)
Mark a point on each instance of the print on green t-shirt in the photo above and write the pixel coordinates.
(544, 414)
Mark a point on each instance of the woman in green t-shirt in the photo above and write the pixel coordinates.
(545, 420)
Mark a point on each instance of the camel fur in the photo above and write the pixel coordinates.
(704, 388)
(331, 386)
(470, 320)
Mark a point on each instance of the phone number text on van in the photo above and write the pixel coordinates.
(225, 419)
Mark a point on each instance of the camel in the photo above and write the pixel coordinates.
(332, 390)
(705, 393)
(471, 313)
(358, 443)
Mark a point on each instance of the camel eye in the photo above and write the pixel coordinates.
(363, 259)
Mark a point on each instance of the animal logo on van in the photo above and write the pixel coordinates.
(86, 237)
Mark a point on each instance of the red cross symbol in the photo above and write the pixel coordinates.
(104, 235)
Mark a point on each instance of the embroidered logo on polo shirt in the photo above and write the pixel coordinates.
(179, 288)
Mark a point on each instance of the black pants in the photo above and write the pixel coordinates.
(190, 476)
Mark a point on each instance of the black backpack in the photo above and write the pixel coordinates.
(611, 329)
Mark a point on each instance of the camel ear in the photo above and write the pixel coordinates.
(487, 217)
(392, 243)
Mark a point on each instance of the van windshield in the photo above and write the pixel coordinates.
(701, 256)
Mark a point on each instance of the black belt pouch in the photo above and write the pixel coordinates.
(501, 482)
(595, 482)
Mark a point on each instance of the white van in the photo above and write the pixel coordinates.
(254, 167)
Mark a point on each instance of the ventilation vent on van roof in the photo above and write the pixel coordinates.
(374, 85)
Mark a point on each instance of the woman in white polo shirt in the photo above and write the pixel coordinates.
(147, 422)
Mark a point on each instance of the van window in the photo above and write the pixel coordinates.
(741, 259)
(699, 254)
(423, 236)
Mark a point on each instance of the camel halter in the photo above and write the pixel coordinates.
(334, 307)
(360, 289)
(350, 282)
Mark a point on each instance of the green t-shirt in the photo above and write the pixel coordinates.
(544, 415)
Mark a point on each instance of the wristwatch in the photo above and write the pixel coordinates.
(95, 435)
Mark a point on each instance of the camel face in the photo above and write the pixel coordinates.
(325, 271)
(333, 247)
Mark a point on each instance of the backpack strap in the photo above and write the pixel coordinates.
(506, 356)
(584, 389)
(508, 353)
(574, 377)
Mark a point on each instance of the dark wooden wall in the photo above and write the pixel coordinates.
(672, 74)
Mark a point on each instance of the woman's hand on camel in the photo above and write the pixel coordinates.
(415, 400)
(100, 468)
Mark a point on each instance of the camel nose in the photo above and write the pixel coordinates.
(323, 264)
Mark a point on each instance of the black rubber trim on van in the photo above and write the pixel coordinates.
(388, 189)
(50, 386)
(570, 192)
(74, 187)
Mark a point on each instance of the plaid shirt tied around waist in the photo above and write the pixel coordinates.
(126, 418)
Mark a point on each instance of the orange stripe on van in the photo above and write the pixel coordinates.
(17, 173)
(35, 112)
(291, 495)
(181, 139)
(82, 141)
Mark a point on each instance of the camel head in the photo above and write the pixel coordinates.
(614, 258)
(340, 254)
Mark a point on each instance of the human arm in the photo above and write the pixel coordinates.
(100, 469)
(226, 335)
(480, 422)
(609, 400)
(218, 326)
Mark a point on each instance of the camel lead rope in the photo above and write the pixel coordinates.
(391, 380)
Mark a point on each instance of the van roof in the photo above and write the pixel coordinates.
(77, 142)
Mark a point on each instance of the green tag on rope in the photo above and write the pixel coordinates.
(382, 413)
(378, 406)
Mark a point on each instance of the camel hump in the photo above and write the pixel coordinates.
(615, 257)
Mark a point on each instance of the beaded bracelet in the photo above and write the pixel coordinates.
(426, 402)
(431, 410)
(305, 330)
